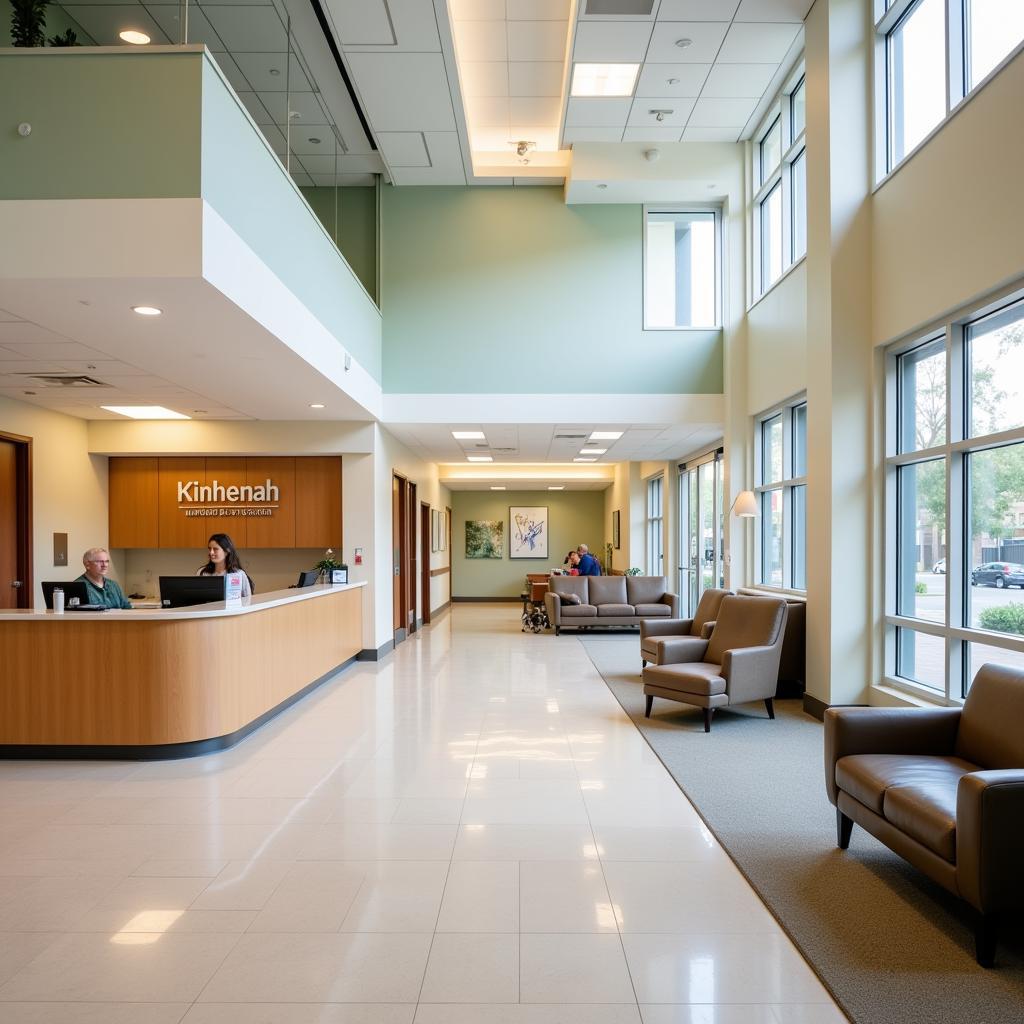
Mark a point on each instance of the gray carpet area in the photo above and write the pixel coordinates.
(892, 947)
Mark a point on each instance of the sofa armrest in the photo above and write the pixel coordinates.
(886, 731)
(751, 673)
(553, 606)
(664, 627)
(672, 600)
(990, 839)
(707, 629)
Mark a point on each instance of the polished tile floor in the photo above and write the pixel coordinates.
(470, 832)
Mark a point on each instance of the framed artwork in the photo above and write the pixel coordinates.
(485, 538)
(616, 527)
(528, 531)
(442, 530)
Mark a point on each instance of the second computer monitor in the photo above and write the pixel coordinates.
(308, 577)
(183, 591)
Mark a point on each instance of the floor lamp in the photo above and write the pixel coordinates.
(745, 508)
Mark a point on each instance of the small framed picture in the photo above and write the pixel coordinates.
(616, 528)
(339, 575)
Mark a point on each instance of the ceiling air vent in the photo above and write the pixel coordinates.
(634, 8)
(65, 380)
(504, 449)
(569, 437)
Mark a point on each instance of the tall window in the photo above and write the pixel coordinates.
(701, 562)
(681, 269)
(954, 501)
(781, 475)
(779, 217)
(655, 526)
(935, 52)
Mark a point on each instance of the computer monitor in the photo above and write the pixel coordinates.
(183, 591)
(71, 588)
(308, 577)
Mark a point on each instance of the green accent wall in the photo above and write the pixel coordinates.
(574, 518)
(357, 227)
(121, 126)
(511, 290)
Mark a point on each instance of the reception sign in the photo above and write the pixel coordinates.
(214, 499)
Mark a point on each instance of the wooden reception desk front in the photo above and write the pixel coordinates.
(155, 683)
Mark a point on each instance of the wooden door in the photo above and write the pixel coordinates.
(425, 545)
(397, 501)
(15, 521)
(414, 560)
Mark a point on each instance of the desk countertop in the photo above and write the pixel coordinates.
(213, 610)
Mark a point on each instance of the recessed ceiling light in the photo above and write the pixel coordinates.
(578, 459)
(556, 487)
(131, 35)
(602, 185)
(480, 458)
(316, 405)
(274, 71)
(497, 488)
(316, 142)
(146, 412)
(606, 435)
(672, 81)
(684, 43)
(604, 79)
(147, 310)
(468, 435)
(593, 451)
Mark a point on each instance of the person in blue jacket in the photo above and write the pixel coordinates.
(589, 565)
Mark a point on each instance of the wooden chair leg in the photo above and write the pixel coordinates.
(770, 705)
(985, 936)
(649, 703)
(844, 828)
(643, 663)
(708, 715)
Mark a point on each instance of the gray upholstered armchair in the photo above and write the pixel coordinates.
(740, 663)
(944, 789)
(680, 639)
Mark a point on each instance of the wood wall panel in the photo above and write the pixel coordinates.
(318, 502)
(230, 472)
(176, 529)
(133, 503)
(278, 530)
(150, 682)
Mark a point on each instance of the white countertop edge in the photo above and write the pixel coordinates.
(213, 610)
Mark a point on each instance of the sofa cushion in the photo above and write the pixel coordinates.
(570, 598)
(867, 777)
(995, 699)
(653, 611)
(579, 611)
(696, 677)
(644, 589)
(927, 813)
(571, 585)
(662, 649)
(617, 610)
(608, 590)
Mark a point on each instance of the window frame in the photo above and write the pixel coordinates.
(654, 521)
(684, 208)
(956, 450)
(787, 485)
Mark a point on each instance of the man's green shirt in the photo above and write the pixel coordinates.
(109, 595)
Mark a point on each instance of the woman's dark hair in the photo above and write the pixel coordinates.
(568, 557)
(231, 562)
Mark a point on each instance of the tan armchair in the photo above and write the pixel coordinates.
(740, 663)
(944, 789)
(679, 640)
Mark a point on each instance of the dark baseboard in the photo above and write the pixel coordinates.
(434, 612)
(369, 654)
(419, 623)
(400, 634)
(814, 707)
(160, 751)
(489, 600)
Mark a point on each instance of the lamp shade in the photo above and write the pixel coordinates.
(745, 505)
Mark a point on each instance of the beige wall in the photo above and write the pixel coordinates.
(777, 343)
(69, 489)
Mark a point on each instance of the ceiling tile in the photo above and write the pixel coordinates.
(231, 71)
(484, 78)
(592, 133)
(653, 133)
(697, 10)
(758, 43)
(360, 163)
(313, 162)
(313, 141)
(739, 80)
(535, 78)
(481, 40)
(7, 318)
(537, 10)
(597, 111)
(539, 110)
(362, 24)
(488, 111)
(537, 182)
(259, 69)
(167, 16)
(404, 149)
(537, 40)
(415, 25)
(545, 137)
(305, 104)
(104, 23)
(53, 350)
(248, 29)
(255, 107)
(23, 332)
(706, 41)
(446, 159)
(729, 113)
(689, 79)
(404, 91)
(774, 10)
(675, 111)
(611, 41)
(477, 10)
(491, 138)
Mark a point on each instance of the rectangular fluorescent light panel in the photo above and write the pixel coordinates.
(593, 451)
(146, 412)
(584, 460)
(480, 458)
(468, 435)
(604, 79)
(493, 488)
(606, 435)
(560, 487)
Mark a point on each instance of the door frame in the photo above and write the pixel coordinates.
(23, 469)
(425, 544)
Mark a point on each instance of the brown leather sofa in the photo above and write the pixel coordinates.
(943, 788)
(577, 601)
(740, 662)
(663, 640)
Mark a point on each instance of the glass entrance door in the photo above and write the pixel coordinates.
(701, 548)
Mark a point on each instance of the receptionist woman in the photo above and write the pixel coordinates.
(224, 558)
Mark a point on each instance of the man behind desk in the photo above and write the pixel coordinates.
(98, 587)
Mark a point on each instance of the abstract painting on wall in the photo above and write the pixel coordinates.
(528, 529)
(485, 538)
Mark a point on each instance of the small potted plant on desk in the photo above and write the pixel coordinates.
(331, 570)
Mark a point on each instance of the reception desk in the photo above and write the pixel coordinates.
(156, 683)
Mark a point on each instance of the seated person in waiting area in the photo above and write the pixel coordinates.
(98, 587)
(572, 564)
(589, 565)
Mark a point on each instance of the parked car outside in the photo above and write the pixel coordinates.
(998, 574)
(939, 566)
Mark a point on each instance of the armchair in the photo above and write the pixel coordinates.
(740, 663)
(677, 640)
(943, 788)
